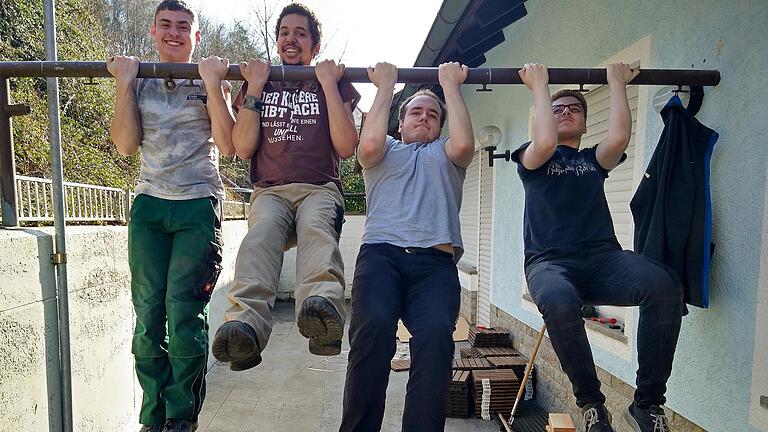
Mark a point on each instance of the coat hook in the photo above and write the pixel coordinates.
(485, 88)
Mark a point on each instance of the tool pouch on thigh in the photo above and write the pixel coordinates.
(209, 271)
(339, 219)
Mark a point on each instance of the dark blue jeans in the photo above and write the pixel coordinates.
(423, 290)
(607, 275)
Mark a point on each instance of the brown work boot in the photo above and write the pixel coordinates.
(236, 342)
(319, 321)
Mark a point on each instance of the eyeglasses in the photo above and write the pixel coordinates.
(573, 108)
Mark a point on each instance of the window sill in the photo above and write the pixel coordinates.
(597, 327)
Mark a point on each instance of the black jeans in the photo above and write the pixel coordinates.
(423, 290)
(607, 275)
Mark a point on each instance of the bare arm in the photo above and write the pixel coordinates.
(460, 147)
(610, 150)
(213, 70)
(544, 140)
(125, 129)
(373, 138)
(246, 134)
(340, 120)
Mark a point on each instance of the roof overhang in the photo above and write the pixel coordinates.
(463, 31)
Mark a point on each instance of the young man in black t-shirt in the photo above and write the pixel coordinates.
(572, 256)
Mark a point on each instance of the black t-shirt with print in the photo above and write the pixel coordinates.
(565, 206)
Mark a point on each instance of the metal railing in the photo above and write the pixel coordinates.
(89, 203)
(84, 202)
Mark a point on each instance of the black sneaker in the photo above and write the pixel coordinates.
(652, 419)
(151, 428)
(178, 425)
(319, 321)
(235, 342)
(596, 418)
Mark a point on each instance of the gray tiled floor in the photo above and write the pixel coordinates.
(293, 390)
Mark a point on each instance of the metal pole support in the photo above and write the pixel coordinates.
(416, 75)
(7, 158)
(7, 162)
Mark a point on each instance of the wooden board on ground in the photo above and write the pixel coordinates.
(457, 400)
(462, 330)
(471, 364)
(560, 422)
(489, 337)
(400, 365)
(504, 385)
(460, 334)
(516, 363)
(494, 351)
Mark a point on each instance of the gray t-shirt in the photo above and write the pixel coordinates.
(414, 197)
(178, 158)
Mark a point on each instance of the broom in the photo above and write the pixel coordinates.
(507, 424)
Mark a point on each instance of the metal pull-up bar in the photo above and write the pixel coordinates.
(416, 75)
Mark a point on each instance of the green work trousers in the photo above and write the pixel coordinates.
(169, 245)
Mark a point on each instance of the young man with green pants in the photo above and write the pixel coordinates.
(174, 234)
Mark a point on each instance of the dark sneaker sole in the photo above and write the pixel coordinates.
(631, 420)
(234, 341)
(319, 321)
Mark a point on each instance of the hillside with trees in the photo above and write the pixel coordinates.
(91, 30)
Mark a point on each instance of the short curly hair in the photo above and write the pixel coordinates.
(315, 28)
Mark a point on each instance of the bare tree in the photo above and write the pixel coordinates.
(126, 27)
(263, 24)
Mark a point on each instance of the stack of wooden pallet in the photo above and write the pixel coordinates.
(483, 352)
(494, 390)
(470, 364)
(458, 400)
(466, 353)
(516, 363)
(489, 337)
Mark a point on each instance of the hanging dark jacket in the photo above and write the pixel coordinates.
(672, 208)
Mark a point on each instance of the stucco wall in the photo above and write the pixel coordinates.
(105, 393)
(349, 244)
(714, 366)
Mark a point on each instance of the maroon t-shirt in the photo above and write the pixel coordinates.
(296, 144)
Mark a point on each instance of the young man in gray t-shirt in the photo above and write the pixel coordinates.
(174, 239)
(406, 266)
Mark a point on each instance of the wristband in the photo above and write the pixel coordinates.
(253, 103)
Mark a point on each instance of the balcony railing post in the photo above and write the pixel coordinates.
(127, 206)
(7, 162)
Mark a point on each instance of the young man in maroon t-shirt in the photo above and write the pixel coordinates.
(294, 134)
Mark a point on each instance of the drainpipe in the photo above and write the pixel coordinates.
(59, 257)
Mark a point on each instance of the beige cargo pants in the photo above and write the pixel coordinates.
(305, 215)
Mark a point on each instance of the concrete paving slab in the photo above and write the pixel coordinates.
(293, 390)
